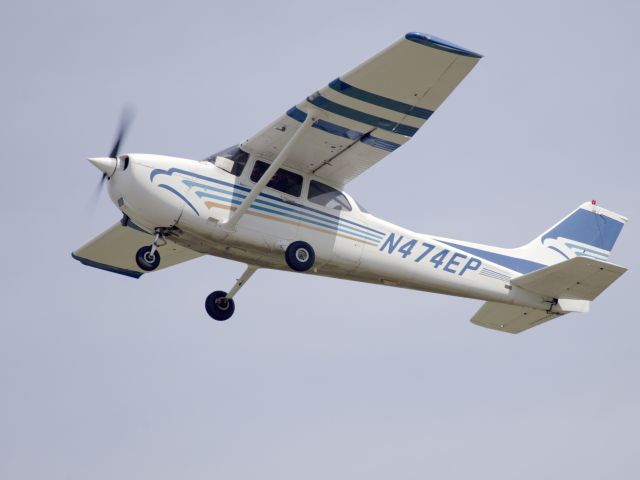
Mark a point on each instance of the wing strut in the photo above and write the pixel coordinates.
(230, 224)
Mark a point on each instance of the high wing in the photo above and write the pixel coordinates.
(115, 249)
(364, 115)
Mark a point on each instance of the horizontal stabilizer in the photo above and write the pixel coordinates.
(580, 278)
(115, 249)
(510, 318)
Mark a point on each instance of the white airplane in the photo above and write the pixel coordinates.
(277, 201)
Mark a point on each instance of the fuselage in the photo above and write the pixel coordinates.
(195, 198)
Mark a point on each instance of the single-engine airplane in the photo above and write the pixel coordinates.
(277, 201)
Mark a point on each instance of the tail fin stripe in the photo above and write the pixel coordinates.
(579, 227)
(559, 251)
(587, 252)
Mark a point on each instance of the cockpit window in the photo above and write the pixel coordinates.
(232, 160)
(328, 196)
(283, 180)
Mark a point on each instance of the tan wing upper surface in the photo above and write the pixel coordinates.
(362, 116)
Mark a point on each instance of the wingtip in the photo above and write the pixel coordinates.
(440, 44)
(108, 268)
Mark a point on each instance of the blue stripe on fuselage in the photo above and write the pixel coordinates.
(331, 223)
(171, 171)
(514, 263)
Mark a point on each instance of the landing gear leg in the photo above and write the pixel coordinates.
(220, 305)
(148, 257)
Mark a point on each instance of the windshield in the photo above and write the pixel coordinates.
(232, 160)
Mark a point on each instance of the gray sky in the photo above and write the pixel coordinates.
(106, 377)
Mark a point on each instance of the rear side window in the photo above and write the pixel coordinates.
(283, 181)
(328, 196)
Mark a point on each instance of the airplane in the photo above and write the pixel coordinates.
(277, 201)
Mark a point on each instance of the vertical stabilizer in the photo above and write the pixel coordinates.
(589, 231)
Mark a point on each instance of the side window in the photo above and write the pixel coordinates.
(232, 160)
(283, 181)
(328, 196)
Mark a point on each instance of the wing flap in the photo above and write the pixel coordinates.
(114, 250)
(579, 278)
(510, 318)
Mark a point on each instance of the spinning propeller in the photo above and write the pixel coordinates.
(107, 165)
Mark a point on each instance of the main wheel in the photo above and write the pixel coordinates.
(300, 256)
(146, 260)
(218, 306)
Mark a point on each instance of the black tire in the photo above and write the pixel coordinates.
(218, 307)
(145, 261)
(300, 256)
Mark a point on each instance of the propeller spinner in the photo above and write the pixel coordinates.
(107, 165)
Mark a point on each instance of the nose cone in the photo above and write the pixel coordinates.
(105, 164)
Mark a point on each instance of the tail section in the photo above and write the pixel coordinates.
(574, 271)
(589, 231)
(570, 286)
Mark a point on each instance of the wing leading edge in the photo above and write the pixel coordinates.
(362, 116)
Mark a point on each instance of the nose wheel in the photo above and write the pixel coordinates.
(220, 305)
(148, 257)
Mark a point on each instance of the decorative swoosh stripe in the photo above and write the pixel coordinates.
(210, 204)
(581, 251)
(171, 171)
(378, 100)
(284, 206)
(283, 210)
(178, 194)
(590, 228)
(271, 205)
